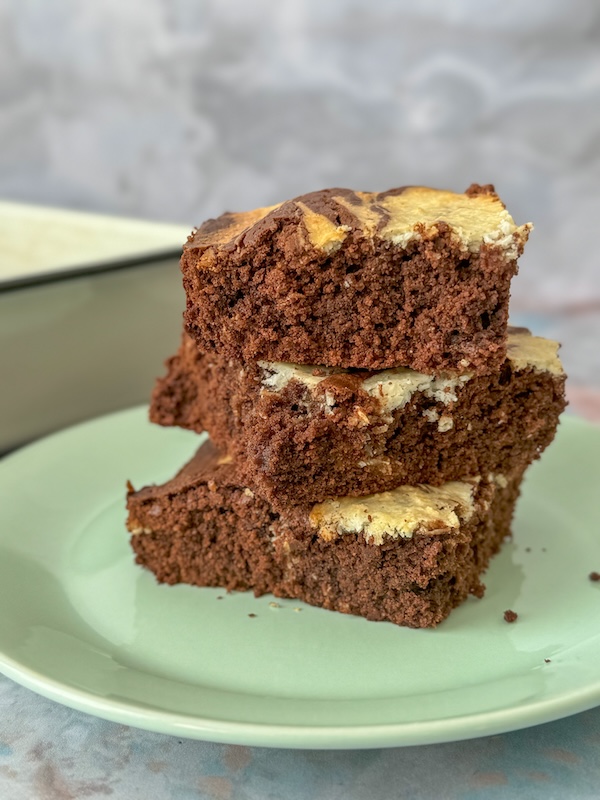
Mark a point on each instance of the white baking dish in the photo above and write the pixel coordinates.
(90, 306)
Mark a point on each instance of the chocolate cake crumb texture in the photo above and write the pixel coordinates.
(510, 615)
(186, 532)
(412, 277)
(299, 438)
(594, 576)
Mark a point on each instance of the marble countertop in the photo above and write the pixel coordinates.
(52, 753)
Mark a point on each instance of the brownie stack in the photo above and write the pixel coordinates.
(370, 412)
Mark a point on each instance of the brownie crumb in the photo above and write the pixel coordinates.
(547, 660)
(277, 437)
(342, 575)
(510, 615)
(458, 307)
(594, 576)
(219, 597)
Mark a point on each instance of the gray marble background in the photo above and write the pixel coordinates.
(180, 109)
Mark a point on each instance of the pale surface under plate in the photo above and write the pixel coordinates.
(83, 625)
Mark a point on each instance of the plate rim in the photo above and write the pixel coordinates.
(327, 737)
(295, 736)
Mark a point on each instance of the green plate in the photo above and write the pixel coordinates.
(81, 624)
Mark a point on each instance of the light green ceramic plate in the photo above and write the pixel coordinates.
(81, 624)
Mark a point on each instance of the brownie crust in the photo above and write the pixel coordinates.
(411, 277)
(320, 437)
(206, 528)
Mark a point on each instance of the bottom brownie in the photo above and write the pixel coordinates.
(408, 556)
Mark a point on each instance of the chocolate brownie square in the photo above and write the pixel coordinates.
(302, 434)
(408, 556)
(412, 277)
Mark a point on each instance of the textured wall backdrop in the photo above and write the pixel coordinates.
(179, 109)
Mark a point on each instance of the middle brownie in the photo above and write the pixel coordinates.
(305, 434)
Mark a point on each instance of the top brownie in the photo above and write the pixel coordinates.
(411, 277)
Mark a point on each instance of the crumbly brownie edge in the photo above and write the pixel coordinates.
(272, 286)
(429, 306)
(183, 530)
(216, 533)
(356, 578)
(490, 429)
(294, 450)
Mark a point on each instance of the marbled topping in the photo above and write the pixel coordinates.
(393, 388)
(475, 218)
(401, 512)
